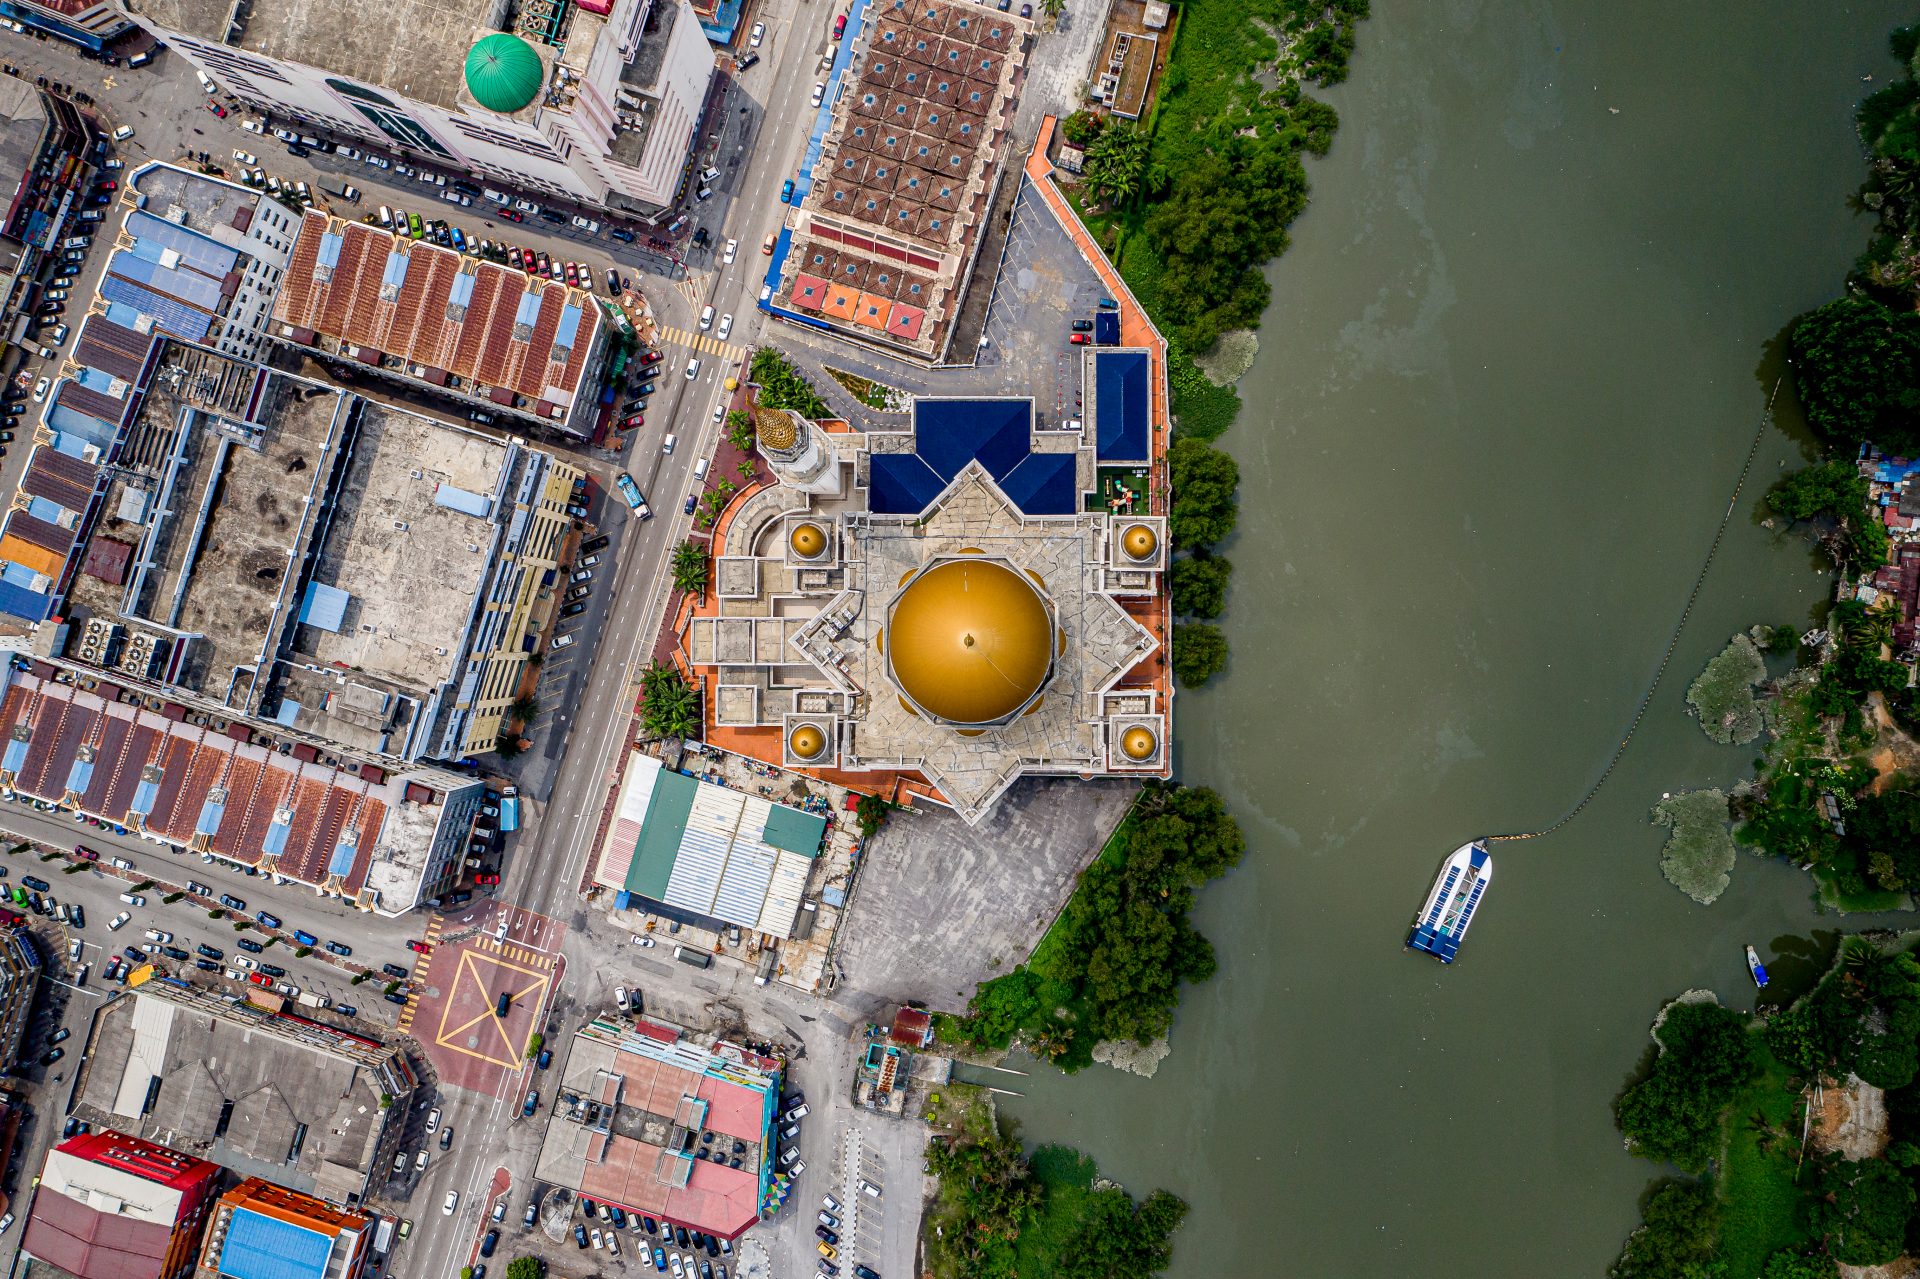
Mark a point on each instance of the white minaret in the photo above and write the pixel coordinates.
(797, 451)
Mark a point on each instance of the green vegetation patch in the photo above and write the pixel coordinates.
(1761, 1209)
(669, 707)
(782, 387)
(1723, 694)
(1699, 853)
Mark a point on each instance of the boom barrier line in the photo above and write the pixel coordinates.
(1693, 596)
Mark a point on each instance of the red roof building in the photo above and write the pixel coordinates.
(111, 1206)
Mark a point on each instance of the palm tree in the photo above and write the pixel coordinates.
(690, 567)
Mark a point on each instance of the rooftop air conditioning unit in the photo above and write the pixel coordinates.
(401, 525)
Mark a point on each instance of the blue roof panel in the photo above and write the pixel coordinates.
(1121, 405)
(950, 433)
(1043, 484)
(324, 606)
(262, 1247)
(900, 484)
(203, 253)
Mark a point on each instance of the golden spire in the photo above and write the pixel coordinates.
(775, 428)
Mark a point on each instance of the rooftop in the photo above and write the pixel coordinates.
(107, 1205)
(22, 122)
(453, 319)
(264, 1094)
(417, 47)
(660, 1124)
(203, 203)
(408, 541)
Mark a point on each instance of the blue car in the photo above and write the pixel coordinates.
(659, 1258)
(268, 921)
(305, 938)
(786, 192)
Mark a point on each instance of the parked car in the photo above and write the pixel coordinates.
(451, 1202)
(231, 902)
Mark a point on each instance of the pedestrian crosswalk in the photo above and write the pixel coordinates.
(519, 954)
(701, 343)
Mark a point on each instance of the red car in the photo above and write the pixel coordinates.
(1078, 339)
(651, 357)
(109, 185)
(486, 879)
(81, 850)
(638, 419)
(419, 947)
(260, 979)
(840, 26)
(512, 215)
(217, 109)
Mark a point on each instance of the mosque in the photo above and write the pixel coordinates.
(936, 611)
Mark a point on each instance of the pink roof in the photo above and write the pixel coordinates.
(905, 321)
(89, 1244)
(809, 291)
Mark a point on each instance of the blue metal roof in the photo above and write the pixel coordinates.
(342, 860)
(1121, 405)
(324, 606)
(900, 483)
(1043, 484)
(330, 245)
(396, 271)
(173, 316)
(210, 814)
(143, 796)
(16, 755)
(203, 253)
(462, 289)
(569, 326)
(462, 500)
(529, 309)
(949, 434)
(275, 842)
(262, 1247)
(80, 776)
(1106, 328)
(188, 286)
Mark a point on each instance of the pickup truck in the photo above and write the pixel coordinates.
(635, 499)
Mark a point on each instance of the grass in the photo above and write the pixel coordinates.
(1761, 1208)
(1722, 696)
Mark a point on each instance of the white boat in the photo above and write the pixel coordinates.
(1442, 923)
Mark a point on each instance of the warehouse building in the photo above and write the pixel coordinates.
(113, 1206)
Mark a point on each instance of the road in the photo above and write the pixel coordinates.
(756, 139)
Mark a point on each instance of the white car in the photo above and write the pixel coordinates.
(6, 1223)
(351, 153)
(639, 940)
(433, 1121)
(451, 1202)
(759, 34)
(234, 974)
(246, 157)
(613, 1243)
(379, 162)
(118, 922)
(819, 93)
(726, 327)
(693, 370)
(620, 997)
(706, 318)
(586, 224)
(252, 126)
(720, 411)
(122, 133)
(247, 962)
(599, 1240)
(286, 135)
(726, 254)
(40, 389)
(526, 206)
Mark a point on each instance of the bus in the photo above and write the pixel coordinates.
(631, 491)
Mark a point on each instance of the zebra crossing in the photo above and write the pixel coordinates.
(701, 343)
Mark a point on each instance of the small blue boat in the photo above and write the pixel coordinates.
(1442, 923)
(1754, 967)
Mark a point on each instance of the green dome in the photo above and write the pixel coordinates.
(503, 73)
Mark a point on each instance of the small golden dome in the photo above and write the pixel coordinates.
(1138, 743)
(970, 641)
(807, 742)
(775, 427)
(807, 540)
(1139, 541)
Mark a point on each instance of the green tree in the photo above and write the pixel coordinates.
(1205, 484)
(1679, 1237)
(526, 1268)
(1857, 366)
(1835, 490)
(668, 706)
(1001, 1008)
(782, 387)
(1116, 164)
(1200, 585)
(1888, 823)
(870, 811)
(1787, 1264)
(524, 708)
(1199, 652)
(1673, 1112)
(740, 429)
(690, 567)
(1862, 1210)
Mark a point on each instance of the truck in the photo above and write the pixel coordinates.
(342, 190)
(635, 499)
(383, 1236)
(695, 958)
(311, 1000)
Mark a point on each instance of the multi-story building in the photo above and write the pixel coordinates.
(114, 1206)
(43, 174)
(91, 24)
(595, 101)
(264, 1231)
(19, 979)
(262, 1093)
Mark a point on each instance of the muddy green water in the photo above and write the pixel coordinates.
(1513, 360)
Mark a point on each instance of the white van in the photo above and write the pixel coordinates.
(700, 469)
(868, 1188)
(706, 318)
(205, 83)
(133, 899)
(666, 445)
(386, 216)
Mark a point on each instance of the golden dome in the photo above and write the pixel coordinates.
(970, 641)
(1139, 542)
(1138, 743)
(775, 427)
(807, 742)
(807, 540)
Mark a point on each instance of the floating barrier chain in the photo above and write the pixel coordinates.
(1699, 582)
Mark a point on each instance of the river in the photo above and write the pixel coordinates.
(1514, 358)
